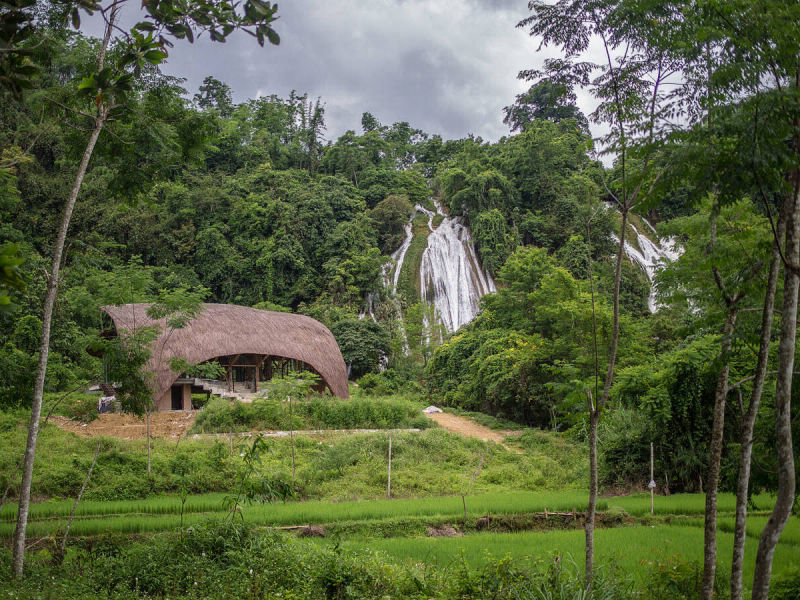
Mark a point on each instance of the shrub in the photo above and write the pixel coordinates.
(786, 586)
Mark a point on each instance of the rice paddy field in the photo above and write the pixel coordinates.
(163, 513)
(630, 548)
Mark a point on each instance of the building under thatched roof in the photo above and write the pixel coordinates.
(241, 339)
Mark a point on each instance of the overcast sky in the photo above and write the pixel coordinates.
(445, 66)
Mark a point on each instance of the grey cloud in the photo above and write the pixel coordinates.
(445, 66)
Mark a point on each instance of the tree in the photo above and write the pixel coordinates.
(547, 100)
(628, 85)
(11, 279)
(731, 253)
(364, 344)
(105, 92)
(216, 95)
(391, 217)
(738, 92)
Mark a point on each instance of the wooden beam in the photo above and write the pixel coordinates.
(258, 368)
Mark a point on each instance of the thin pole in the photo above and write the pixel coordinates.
(389, 477)
(291, 435)
(63, 546)
(652, 487)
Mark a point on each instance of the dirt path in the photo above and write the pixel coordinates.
(172, 425)
(175, 424)
(467, 427)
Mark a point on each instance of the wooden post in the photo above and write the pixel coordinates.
(389, 476)
(651, 486)
(258, 369)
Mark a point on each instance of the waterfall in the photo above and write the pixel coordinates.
(390, 273)
(451, 277)
(650, 257)
(399, 255)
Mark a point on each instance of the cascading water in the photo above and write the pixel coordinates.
(451, 277)
(390, 272)
(650, 257)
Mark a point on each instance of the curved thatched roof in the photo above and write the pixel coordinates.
(227, 329)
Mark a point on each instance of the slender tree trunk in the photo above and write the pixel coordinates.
(594, 413)
(715, 457)
(291, 436)
(594, 418)
(389, 472)
(783, 400)
(18, 560)
(147, 426)
(44, 349)
(749, 418)
(63, 545)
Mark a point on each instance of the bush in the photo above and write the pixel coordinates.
(786, 586)
(319, 412)
(624, 448)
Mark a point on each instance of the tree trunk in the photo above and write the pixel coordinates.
(63, 546)
(594, 418)
(44, 349)
(783, 400)
(389, 472)
(594, 413)
(291, 436)
(147, 426)
(749, 418)
(715, 457)
(18, 560)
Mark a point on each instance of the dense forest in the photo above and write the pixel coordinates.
(251, 203)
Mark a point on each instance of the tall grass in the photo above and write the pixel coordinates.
(318, 412)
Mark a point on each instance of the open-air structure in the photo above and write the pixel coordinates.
(250, 344)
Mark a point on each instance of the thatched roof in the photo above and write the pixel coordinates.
(227, 329)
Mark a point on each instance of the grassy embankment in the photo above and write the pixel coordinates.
(347, 467)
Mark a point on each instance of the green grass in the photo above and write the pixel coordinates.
(755, 523)
(681, 504)
(631, 548)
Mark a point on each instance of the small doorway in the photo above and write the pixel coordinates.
(177, 397)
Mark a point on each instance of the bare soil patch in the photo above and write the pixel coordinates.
(171, 425)
(469, 428)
